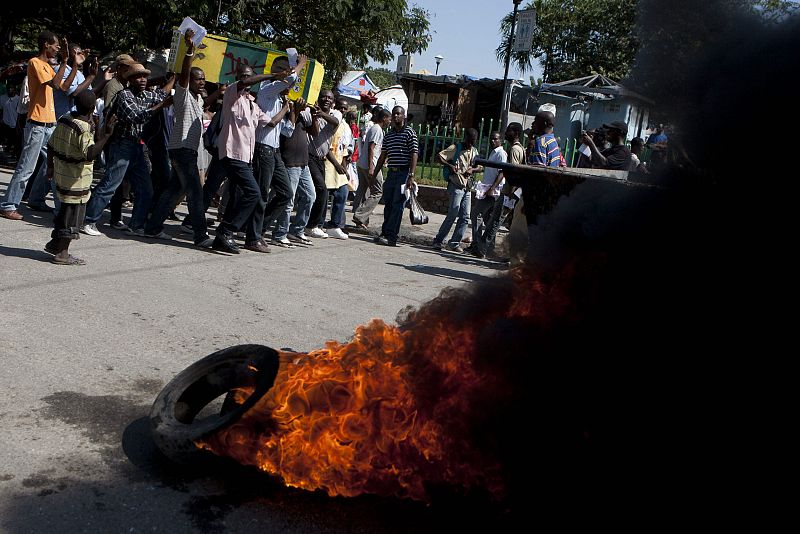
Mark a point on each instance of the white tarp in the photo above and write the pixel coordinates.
(393, 96)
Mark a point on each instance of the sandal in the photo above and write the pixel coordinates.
(71, 260)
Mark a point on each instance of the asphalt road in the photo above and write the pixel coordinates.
(85, 350)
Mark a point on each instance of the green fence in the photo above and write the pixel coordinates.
(434, 139)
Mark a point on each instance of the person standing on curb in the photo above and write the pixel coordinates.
(400, 150)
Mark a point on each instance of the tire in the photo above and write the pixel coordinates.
(172, 417)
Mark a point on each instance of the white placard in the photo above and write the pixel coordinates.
(199, 31)
(523, 37)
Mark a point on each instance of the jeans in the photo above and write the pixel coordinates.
(459, 208)
(282, 217)
(305, 197)
(270, 173)
(243, 201)
(185, 178)
(338, 207)
(483, 236)
(393, 203)
(160, 170)
(124, 156)
(367, 196)
(35, 144)
(317, 167)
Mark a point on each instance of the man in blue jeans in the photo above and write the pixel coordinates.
(133, 107)
(184, 144)
(400, 150)
(457, 159)
(42, 79)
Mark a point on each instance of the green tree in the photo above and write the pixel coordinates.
(414, 33)
(382, 77)
(576, 38)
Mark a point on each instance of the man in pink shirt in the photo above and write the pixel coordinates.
(237, 140)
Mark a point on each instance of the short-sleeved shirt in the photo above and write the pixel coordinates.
(399, 145)
(320, 144)
(618, 158)
(490, 173)
(374, 135)
(63, 99)
(464, 161)
(187, 130)
(546, 151)
(72, 170)
(41, 107)
(517, 154)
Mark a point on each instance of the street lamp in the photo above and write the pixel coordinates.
(438, 59)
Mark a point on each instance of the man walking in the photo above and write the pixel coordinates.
(488, 200)
(237, 140)
(183, 147)
(268, 166)
(133, 107)
(328, 122)
(369, 191)
(40, 125)
(400, 150)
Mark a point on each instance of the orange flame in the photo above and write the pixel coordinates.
(377, 414)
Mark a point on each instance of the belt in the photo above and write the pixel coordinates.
(45, 124)
(398, 169)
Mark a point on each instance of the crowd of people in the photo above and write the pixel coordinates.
(246, 146)
(256, 155)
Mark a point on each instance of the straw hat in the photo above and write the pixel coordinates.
(136, 69)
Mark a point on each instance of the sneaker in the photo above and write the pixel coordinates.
(282, 242)
(137, 232)
(118, 225)
(299, 239)
(160, 235)
(90, 229)
(205, 243)
(186, 228)
(337, 233)
(316, 232)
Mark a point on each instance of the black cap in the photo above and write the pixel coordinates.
(617, 125)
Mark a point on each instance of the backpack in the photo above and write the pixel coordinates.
(211, 135)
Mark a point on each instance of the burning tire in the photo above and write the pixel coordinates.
(174, 416)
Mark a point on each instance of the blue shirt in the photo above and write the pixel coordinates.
(270, 102)
(546, 151)
(63, 99)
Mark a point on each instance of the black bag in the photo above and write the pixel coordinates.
(211, 135)
(416, 213)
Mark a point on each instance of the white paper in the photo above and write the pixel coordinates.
(292, 53)
(585, 150)
(508, 202)
(481, 189)
(408, 193)
(199, 31)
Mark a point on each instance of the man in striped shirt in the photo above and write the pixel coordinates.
(400, 150)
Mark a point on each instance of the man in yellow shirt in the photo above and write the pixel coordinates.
(70, 162)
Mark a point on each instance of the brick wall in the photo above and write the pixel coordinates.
(433, 199)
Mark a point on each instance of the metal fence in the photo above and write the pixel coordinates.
(434, 139)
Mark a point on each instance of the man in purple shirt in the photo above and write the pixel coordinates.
(237, 140)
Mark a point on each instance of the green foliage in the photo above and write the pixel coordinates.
(382, 77)
(576, 38)
(338, 33)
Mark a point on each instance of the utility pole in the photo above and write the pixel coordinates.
(506, 92)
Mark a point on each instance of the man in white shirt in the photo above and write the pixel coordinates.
(489, 201)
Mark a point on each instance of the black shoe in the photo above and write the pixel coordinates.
(173, 217)
(225, 244)
(477, 253)
(40, 207)
(380, 240)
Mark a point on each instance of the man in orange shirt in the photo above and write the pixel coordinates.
(41, 118)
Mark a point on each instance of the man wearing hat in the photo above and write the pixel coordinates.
(133, 107)
(617, 157)
(120, 66)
